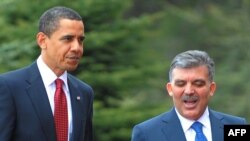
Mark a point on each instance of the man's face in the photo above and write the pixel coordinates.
(191, 90)
(64, 48)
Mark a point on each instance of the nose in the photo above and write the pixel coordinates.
(189, 89)
(77, 45)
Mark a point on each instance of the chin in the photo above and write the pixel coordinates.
(71, 68)
(191, 115)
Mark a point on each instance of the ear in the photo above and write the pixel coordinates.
(212, 88)
(169, 89)
(41, 40)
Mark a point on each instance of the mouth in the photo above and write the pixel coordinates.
(73, 58)
(190, 101)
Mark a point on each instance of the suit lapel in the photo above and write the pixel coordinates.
(40, 101)
(216, 126)
(172, 128)
(77, 108)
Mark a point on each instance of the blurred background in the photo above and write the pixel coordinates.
(128, 49)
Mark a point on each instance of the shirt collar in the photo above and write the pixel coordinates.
(186, 123)
(48, 75)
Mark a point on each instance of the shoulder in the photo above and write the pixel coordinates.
(151, 129)
(228, 118)
(81, 85)
(155, 121)
(18, 75)
(21, 72)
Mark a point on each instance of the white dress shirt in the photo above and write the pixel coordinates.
(189, 132)
(49, 77)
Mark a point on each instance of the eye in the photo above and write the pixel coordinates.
(67, 38)
(199, 83)
(180, 83)
(81, 39)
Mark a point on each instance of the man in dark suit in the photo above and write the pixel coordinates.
(27, 102)
(191, 86)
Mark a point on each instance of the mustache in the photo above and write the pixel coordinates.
(190, 98)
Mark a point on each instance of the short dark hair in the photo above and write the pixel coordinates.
(49, 20)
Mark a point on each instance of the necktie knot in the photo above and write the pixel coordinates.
(59, 83)
(197, 126)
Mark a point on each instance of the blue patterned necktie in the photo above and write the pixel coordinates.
(197, 126)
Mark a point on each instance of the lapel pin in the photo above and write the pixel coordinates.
(78, 97)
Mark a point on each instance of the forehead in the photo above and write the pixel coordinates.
(67, 23)
(72, 27)
(199, 72)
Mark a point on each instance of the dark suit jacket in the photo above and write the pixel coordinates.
(167, 127)
(25, 112)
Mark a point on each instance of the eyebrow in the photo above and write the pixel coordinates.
(196, 80)
(71, 36)
(66, 36)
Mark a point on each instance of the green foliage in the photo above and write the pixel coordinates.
(10, 59)
(113, 50)
(222, 33)
(128, 49)
(116, 124)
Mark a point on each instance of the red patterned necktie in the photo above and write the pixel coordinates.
(61, 113)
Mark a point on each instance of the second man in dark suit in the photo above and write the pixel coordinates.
(27, 96)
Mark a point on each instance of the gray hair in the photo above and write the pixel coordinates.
(49, 21)
(193, 58)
